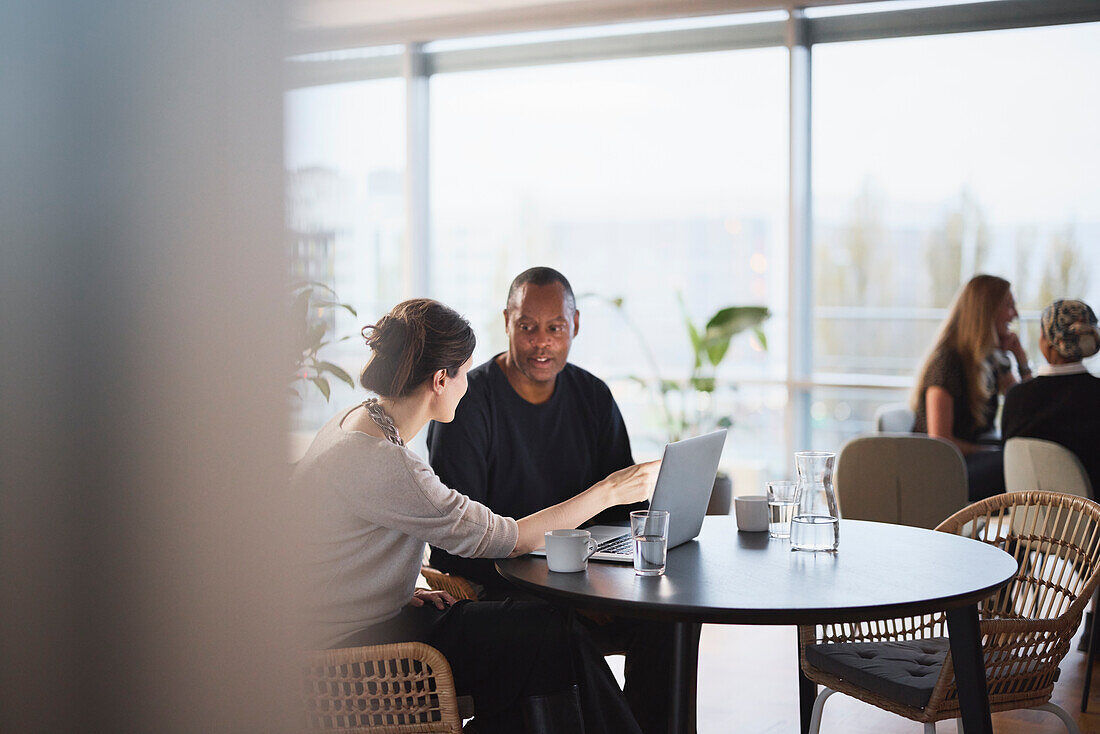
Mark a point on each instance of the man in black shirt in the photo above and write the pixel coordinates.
(533, 431)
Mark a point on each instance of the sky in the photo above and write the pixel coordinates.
(1011, 114)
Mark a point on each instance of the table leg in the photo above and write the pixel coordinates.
(966, 654)
(807, 694)
(685, 673)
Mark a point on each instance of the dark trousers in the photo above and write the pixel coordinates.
(648, 670)
(648, 648)
(504, 652)
(985, 474)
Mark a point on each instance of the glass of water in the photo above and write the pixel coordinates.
(782, 502)
(649, 529)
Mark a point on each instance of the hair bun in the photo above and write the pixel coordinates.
(1087, 337)
(410, 343)
(388, 336)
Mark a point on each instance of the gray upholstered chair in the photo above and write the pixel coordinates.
(906, 479)
(894, 418)
(1032, 463)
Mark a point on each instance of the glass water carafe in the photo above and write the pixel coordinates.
(816, 523)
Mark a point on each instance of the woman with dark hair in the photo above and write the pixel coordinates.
(956, 396)
(371, 504)
(1062, 403)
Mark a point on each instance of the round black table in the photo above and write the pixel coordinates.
(729, 577)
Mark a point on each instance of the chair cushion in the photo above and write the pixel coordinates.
(905, 672)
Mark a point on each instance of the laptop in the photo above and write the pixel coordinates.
(683, 488)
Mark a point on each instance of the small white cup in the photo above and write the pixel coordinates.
(567, 551)
(752, 512)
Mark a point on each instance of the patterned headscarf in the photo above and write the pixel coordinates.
(1070, 327)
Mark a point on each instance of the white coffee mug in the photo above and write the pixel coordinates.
(567, 551)
(752, 512)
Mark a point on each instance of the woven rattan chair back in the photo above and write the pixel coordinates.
(403, 688)
(457, 586)
(1026, 626)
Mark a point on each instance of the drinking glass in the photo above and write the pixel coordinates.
(649, 528)
(782, 501)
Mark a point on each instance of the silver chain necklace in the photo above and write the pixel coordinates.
(383, 421)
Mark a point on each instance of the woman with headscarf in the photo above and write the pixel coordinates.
(1062, 403)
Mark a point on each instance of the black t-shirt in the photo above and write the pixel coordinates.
(518, 458)
(1064, 409)
(946, 371)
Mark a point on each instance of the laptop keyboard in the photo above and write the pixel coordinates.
(622, 545)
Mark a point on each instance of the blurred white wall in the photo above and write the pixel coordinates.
(142, 426)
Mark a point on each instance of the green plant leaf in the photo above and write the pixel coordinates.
(315, 335)
(668, 386)
(693, 333)
(761, 337)
(735, 319)
(726, 324)
(725, 422)
(336, 371)
(310, 284)
(322, 385)
(703, 384)
(716, 348)
(334, 304)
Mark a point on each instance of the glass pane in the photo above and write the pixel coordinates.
(345, 208)
(936, 158)
(838, 414)
(653, 181)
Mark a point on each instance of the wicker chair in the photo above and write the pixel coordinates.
(456, 586)
(1026, 626)
(403, 688)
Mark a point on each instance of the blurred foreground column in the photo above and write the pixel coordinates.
(142, 369)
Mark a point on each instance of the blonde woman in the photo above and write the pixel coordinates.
(956, 395)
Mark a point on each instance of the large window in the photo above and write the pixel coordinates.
(658, 184)
(936, 158)
(345, 159)
(656, 181)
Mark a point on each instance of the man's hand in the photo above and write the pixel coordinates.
(441, 599)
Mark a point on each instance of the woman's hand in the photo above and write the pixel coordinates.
(624, 487)
(441, 599)
(632, 484)
(1010, 342)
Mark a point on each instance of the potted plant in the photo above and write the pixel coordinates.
(312, 307)
(687, 406)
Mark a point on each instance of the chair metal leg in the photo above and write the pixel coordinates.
(1090, 655)
(959, 725)
(819, 704)
(1062, 714)
(929, 727)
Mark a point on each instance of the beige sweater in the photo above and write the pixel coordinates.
(368, 508)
